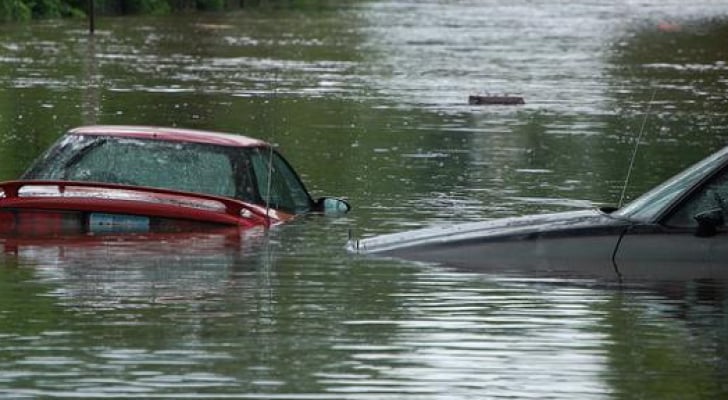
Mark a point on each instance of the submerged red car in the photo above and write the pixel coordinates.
(100, 179)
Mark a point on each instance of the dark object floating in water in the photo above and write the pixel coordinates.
(492, 100)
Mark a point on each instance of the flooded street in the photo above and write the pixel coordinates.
(369, 100)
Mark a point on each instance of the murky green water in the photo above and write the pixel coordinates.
(369, 100)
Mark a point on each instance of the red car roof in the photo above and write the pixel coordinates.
(173, 134)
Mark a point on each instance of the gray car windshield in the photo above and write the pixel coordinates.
(234, 172)
(651, 205)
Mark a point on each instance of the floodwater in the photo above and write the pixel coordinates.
(368, 99)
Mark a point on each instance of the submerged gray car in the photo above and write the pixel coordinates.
(675, 231)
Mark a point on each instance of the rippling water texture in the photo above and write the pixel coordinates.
(368, 99)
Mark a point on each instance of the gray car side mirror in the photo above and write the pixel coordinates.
(332, 205)
(708, 222)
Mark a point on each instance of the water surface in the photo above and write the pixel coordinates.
(369, 100)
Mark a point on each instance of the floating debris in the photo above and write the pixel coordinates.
(490, 100)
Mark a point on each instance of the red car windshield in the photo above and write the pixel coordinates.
(242, 173)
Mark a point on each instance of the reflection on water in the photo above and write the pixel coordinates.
(369, 100)
(283, 321)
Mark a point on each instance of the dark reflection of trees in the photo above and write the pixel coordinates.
(672, 346)
(686, 70)
(687, 120)
(148, 72)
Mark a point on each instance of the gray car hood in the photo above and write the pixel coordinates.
(496, 229)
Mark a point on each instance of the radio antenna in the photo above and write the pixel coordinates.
(636, 147)
(270, 148)
(270, 178)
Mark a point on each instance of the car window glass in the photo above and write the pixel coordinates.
(243, 170)
(712, 196)
(278, 184)
(653, 203)
(177, 166)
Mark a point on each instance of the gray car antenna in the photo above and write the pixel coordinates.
(634, 151)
